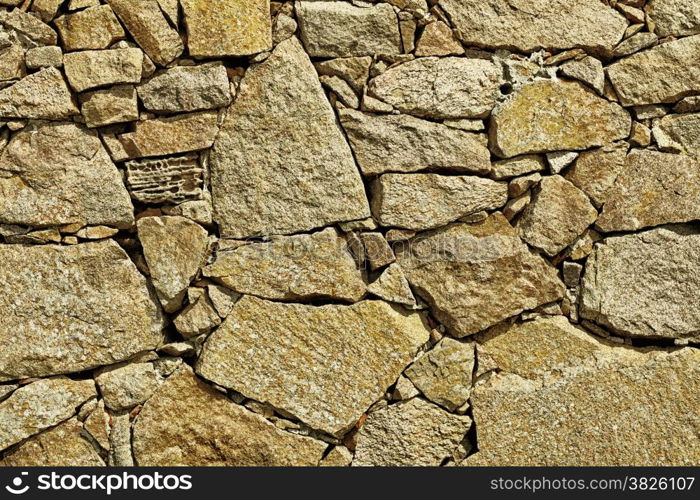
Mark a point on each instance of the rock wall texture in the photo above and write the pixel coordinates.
(329, 232)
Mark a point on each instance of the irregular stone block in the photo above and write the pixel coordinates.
(674, 17)
(93, 28)
(43, 95)
(117, 104)
(88, 69)
(165, 180)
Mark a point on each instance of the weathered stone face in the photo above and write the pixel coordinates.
(296, 176)
(679, 133)
(674, 17)
(555, 116)
(632, 284)
(302, 358)
(93, 28)
(215, 432)
(72, 308)
(42, 95)
(476, 275)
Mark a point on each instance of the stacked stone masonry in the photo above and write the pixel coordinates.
(349, 232)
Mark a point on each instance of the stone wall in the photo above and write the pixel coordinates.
(243, 232)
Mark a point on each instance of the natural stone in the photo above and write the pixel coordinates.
(89, 69)
(96, 232)
(665, 73)
(175, 248)
(560, 393)
(532, 24)
(673, 17)
(412, 432)
(516, 205)
(645, 267)
(425, 201)
(438, 40)
(393, 286)
(175, 179)
(12, 65)
(59, 173)
(43, 95)
(222, 299)
(262, 351)
(212, 431)
(120, 454)
(475, 275)
(520, 185)
(286, 179)
(97, 425)
(640, 135)
(47, 9)
(354, 70)
(186, 88)
(197, 318)
(653, 188)
(147, 24)
(635, 43)
(61, 446)
(43, 57)
(559, 160)
(113, 105)
(217, 28)
(93, 28)
(340, 29)
(678, 133)
(552, 115)
(166, 136)
(127, 386)
(89, 307)
(377, 250)
(689, 104)
(558, 213)
(304, 266)
(33, 28)
(520, 165)
(444, 374)
(406, 144)
(440, 87)
(341, 90)
(40, 405)
(339, 456)
(595, 171)
(589, 70)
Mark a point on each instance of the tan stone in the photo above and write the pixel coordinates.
(393, 286)
(553, 115)
(33, 28)
(40, 405)
(377, 251)
(147, 24)
(43, 57)
(444, 374)
(93, 28)
(678, 133)
(197, 318)
(425, 201)
(635, 43)
(73, 308)
(113, 105)
(124, 387)
(645, 284)
(665, 73)
(339, 456)
(433, 87)
(88, 69)
(280, 160)
(166, 136)
(12, 63)
(437, 40)
(175, 179)
(186, 88)
(653, 188)
(520, 165)
(595, 171)
(47, 9)
(59, 173)
(43, 95)
(529, 25)
(673, 17)
(354, 70)
(409, 433)
(475, 275)
(97, 425)
(301, 358)
(304, 266)
(564, 398)
(558, 213)
(340, 29)
(589, 70)
(212, 431)
(406, 144)
(175, 248)
(217, 28)
(341, 90)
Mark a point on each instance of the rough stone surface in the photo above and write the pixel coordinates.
(665, 73)
(425, 201)
(674, 17)
(300, 173)
(403, 143)
(433, 87)
(175, 179)
(125, 387)
(654, 302)
(560, 396)
(93, 28)
(72, 308)
(217, 28)
(89, 69)
(554, 116)
(312, 266)
(557, 214)
(475, 275)
(59, 173)
(393, 286)
(595, 171)
(175, 249)
(444, 374)
(42, 95)
(679, 133)
(216, 431)
(301, 358)
(117, 104)
(40, 405)
(335, 29)
(414, 432)
(653, 188)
